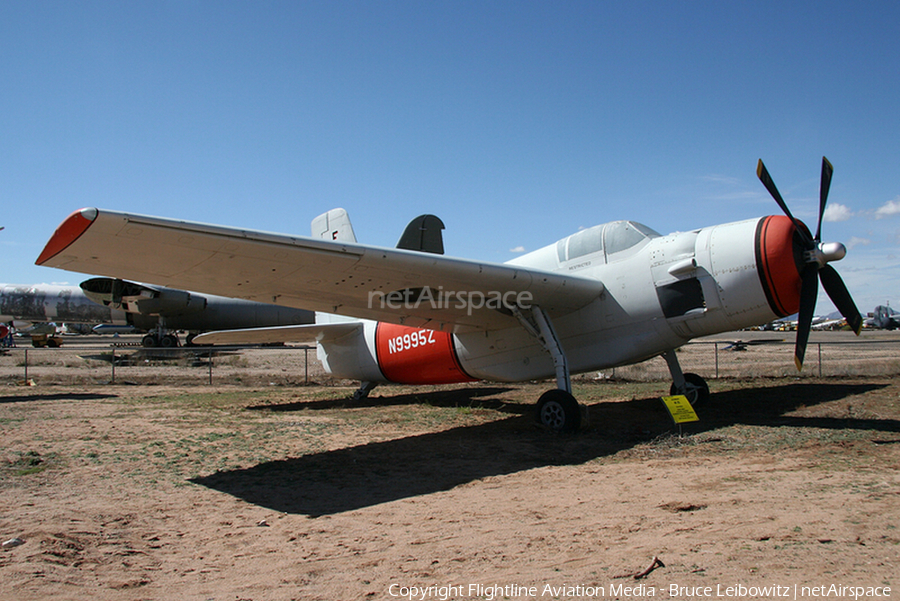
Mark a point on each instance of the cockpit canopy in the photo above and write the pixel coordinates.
(612, 239)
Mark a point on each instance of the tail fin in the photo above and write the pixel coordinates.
(333, 225)
(423, 234)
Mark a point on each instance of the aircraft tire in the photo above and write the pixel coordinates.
(168, 341)
(149, 341)
(697, 392)
(558, 410)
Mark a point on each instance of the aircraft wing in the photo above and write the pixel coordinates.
(310, 333)
(323, 275)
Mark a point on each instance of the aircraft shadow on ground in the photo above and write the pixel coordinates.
(63, 396)
(369, 474)
(464, 397)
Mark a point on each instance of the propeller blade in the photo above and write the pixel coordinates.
(763, 174)
(766, 180)
(837, 292)
(808, 292)
(827, 172)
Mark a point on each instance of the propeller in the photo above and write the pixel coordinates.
(815, 256)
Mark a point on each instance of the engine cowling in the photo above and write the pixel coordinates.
(171, 302)
(146, 300)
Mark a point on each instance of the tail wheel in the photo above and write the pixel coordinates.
(695, 389)
(558, 410)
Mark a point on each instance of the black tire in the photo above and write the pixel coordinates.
(558, 410)
(696, 390)
(149, 341)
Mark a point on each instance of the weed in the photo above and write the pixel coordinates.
(26, 463)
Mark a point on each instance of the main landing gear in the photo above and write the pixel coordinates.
(557, 409)
(692, 386)
(160, 338)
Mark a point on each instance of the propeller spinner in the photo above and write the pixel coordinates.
(816, 257)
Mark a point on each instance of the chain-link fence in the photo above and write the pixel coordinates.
(102, 363)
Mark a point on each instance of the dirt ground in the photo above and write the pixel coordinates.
(289, 491)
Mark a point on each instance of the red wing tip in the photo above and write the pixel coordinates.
(68, 232)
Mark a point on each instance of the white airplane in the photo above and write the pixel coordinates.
(611, 295)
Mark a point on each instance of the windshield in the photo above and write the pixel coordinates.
(611, 238)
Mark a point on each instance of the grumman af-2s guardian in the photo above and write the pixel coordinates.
(611, 295)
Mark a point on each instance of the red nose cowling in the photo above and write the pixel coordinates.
(777, 260)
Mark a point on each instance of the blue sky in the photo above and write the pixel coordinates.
(516, 122)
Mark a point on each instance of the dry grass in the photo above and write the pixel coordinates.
(829, 354)
(278, 492)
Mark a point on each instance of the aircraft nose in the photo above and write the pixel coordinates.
(778, 264)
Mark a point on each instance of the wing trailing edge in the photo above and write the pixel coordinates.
(309, 333)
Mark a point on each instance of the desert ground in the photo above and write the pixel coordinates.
(152, 483)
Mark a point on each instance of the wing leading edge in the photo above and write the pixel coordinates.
(384, 284)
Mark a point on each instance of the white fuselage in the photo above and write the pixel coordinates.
(658, 293)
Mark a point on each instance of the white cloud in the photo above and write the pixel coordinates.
(722, 179)
(854, 241)
(837, 212)
(518, 249)
(891, 207)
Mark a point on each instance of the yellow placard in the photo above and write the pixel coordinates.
(680, 409)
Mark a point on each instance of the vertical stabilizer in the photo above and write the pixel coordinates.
(333, 225)
(423, 234)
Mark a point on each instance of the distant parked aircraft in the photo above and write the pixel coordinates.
(884, 318)
(154, 309)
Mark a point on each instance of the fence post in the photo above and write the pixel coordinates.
(820, 359)
(717, 360)
(26, 366)
(113, 362)
(210, 366)
(306, 364)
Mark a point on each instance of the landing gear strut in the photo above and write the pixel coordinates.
(690, 385)
(556, 409)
